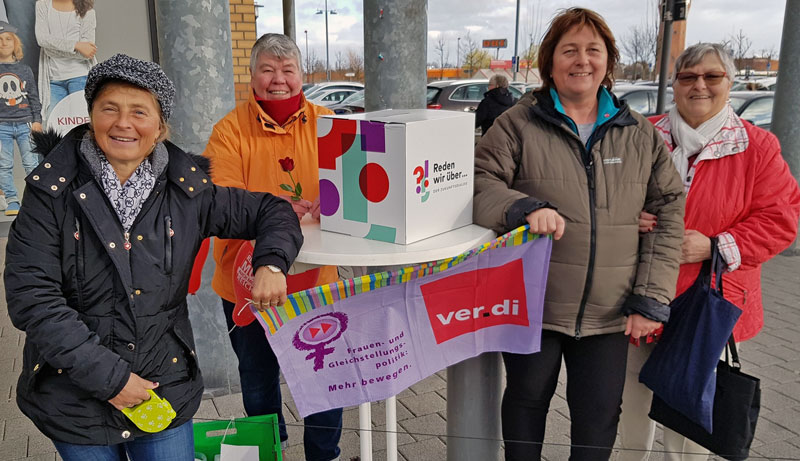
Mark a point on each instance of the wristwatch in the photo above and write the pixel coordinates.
(273, 268)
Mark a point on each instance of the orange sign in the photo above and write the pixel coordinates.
(496, 43)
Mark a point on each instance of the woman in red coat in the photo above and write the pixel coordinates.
(739, 190)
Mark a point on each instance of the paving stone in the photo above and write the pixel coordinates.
(774, 400)
(288, 401)
(20, 427)
(207, 411)
(381, 454)
(788, 418)
(756, 359)
(350, 418)
(431, 449)
(350, 446)
(379, 438)
(379, 412)
(768, 432)
(775, 373)
(424, 404)
(9, 410)
(42, 457)
(39, 445)
(229, 406)
(14, 448)
(791, 390)
(556, 449)
(425, 427)
(777, 450)
(429, 384)
(782, 352)
(789, 334)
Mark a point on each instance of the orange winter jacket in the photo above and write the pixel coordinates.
(244, 150)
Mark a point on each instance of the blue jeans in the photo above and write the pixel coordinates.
(175, 444)
(261, 390)
(21, 133)
(60, 89)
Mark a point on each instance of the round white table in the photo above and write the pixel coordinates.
(329, 248)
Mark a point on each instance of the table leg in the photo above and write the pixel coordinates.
(365, 430)
(391, 428)
(474, 392)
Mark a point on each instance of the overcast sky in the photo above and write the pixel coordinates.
(709, 20)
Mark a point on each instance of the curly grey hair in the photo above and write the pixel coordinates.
(694, 55)
(277, 45)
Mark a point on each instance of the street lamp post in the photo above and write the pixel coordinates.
(458, 57)
(308, 63)
(327, 52)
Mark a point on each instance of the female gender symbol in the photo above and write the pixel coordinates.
(318, 332)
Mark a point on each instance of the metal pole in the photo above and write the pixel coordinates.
(458, 58)
(327, 52)
(785, 120)
(289, 28)
(195, 52)
(474, 394)
(516, 46)
(395, 50)
(308, 61)
(666, 51)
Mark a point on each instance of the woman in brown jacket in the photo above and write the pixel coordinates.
(573, 161)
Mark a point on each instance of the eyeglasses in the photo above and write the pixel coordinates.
(711, 78)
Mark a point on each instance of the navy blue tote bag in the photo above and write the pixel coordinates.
(737, 403)
(681, 369)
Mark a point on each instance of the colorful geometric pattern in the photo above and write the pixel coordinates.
(305, 301)
(352, 179)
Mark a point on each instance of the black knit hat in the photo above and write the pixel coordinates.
(145, 74)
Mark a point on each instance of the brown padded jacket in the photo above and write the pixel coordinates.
(602, 268)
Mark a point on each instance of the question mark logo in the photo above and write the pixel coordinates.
(420, 173)
(422, 181)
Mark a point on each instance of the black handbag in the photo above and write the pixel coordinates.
(737, 402)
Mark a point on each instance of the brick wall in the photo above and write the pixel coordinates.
(243, 35)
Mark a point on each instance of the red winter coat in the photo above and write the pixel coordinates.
(753, 196)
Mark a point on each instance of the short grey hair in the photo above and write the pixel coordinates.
(277, 45)
(694, 55)
(499, 81)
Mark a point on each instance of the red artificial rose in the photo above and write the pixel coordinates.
(287, 164)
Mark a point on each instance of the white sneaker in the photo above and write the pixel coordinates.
(3, 203)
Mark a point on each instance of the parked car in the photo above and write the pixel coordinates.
(754, 106)
(329, 97)
(464, 95)
(332, 86)
(755, 84)
(642, 98)
(351, 105)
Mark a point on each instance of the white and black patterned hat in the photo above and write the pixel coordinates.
(145, 74)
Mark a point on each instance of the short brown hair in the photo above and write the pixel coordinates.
(564, 22)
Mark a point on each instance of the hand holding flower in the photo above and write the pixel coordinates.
(287, 164)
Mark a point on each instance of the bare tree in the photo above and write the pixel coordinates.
(739, 45)
(473, 56)
(639, 45)
(443, 52)
(311, 65)
(340, 61)
(355, 63)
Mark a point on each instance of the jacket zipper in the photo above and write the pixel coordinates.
(589, 169)
(168, 244)
(79, 260)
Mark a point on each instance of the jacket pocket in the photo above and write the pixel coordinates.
(186, 342)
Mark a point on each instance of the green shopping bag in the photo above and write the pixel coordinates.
(260, 431)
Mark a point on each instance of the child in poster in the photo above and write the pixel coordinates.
(20, 112)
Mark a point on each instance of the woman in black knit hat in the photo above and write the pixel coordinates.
(97, 270)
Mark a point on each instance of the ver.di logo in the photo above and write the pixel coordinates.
(317, 333)
(422, 181)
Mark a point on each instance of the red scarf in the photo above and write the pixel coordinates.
(280, 110)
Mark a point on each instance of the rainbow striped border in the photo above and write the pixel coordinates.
(313, 298)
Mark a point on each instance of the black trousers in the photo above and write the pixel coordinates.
(595, 377)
